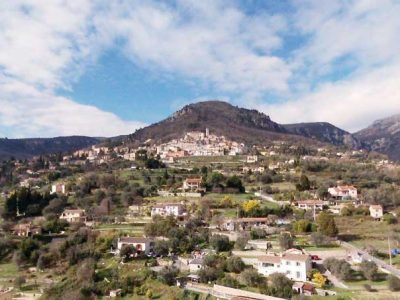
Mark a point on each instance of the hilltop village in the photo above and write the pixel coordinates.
(201, 217)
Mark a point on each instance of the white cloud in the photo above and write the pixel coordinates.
(36, 112)
(348, 71)
(212, 41)
(349, 104)
(45, 45)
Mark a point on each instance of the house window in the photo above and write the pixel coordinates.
(297, 264)
(298, 274)
(266, 265)
(288, 263)
(288, 272)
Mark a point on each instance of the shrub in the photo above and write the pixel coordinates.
(369, 270)
(220, 243)
(234, 264)
(394, 283)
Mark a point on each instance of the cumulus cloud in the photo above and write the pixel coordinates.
(40, 112)
(342, 67)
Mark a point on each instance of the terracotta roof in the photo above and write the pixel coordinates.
(193, 180)
(310, 202)
(376, 207)
(250, 220)
(134, 240)
(276, 258)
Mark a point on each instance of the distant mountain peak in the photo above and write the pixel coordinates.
(383, 136)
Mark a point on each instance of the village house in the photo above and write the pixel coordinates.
(168, 209)
(196, 265)
(142, 245)
(251, 159)
(129, 156)
(256, 169)
(58, 188)
(26, 229)
(245, 223)
(192, 184)
(310, 204)
(74, 215)
(293, 263)
(304, 288)
(343, 192)
(376, 211)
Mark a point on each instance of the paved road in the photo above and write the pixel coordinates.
(270, 199)
(380, 263)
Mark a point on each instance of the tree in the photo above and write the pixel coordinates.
(252, 278)
(235, 183)
(285, 241)
(369, 269)
(241, 242)
(127, 251)
(220, 243)
(281, 286)
(234, 264)
(228, 281)
(226, 201)
(161, 248)
(318, 239)
(393, 283)
(319, 279)
(326, 224)
(302, 226)
(251, 205)
(339, 268)
(303, 184)
(168, 275)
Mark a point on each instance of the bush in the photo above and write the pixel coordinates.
(241, 242)
(340, 268)
(228, 281)
(394, 283)
(285, 241)
(234, 264)
(369, 270)
(19, 281)
(220, 243)
(252, 278)
(168, 274)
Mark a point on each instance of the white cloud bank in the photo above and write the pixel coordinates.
(45, 45)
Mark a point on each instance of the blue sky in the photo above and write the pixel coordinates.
(105, 68)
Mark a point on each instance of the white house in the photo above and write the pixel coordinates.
(141, 244)
(251, 159)
(168, 209)
(376, 211)
(292, 263)
(195, 265)
(130, 156)
(58, 188)
(343, 191)
(245, 223)
(310, 204)
(74, 215)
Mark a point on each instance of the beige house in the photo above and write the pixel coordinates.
(192, 184)
(74, 215)
(58, 188)
(245, 223)
(310, 204)
(343, 192)
(376, 211)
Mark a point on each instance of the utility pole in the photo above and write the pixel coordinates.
(390, 252)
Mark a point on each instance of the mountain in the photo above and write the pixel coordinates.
(324, 132)
(239, 124)
(27, 148)
(383, 136)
